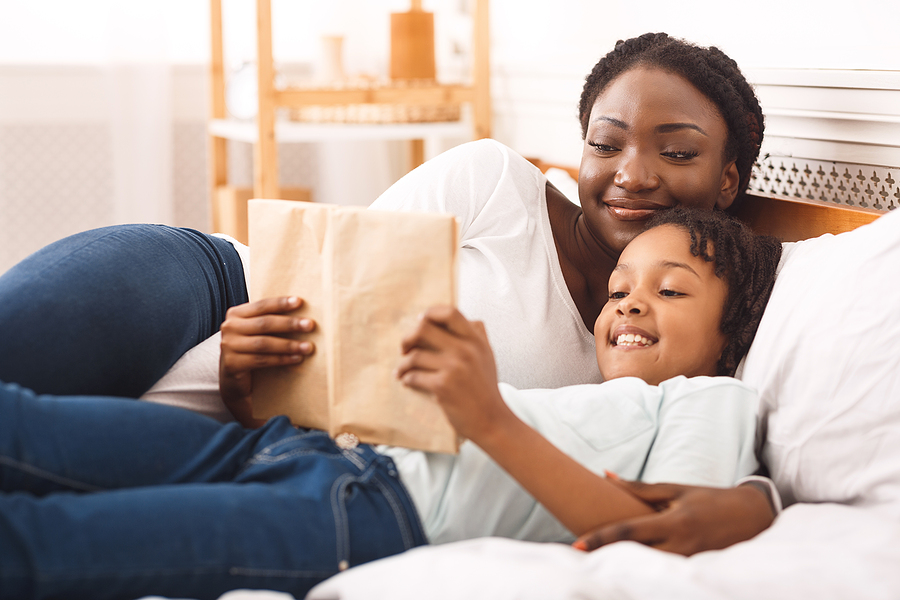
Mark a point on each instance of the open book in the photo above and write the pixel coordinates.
(364, 276)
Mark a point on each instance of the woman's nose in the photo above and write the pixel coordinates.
(634, 175)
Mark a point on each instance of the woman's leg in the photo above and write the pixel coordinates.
(85, 444)
(108, 311)
(296, 512)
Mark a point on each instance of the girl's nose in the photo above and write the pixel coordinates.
(632, 304)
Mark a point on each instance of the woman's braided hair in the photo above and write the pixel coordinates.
(710, 70)
(745, 260)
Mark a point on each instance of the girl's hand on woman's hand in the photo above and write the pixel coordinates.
(449, 356)
(254, 336)
(691, 519)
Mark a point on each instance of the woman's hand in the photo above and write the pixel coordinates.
(691, 519)
(255, 336)
(450, 357)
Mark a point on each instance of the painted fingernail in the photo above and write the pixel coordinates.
(611, 475)
(580, 545)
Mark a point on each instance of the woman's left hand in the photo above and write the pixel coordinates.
(449, 356)
(256, 336)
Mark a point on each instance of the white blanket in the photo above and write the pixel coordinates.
(817, 551)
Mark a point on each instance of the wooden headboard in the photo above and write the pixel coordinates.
(788, 219)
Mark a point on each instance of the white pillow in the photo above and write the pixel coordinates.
(826, 361)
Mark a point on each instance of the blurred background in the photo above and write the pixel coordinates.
(104, 104)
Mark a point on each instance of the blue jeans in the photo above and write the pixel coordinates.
(108, 311)
(101, 498)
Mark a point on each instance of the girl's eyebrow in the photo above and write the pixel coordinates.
(663, 264)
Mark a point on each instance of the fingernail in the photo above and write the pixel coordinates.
(580, 545)
(293, 300)
(305, 347)
(305, 324)
(611, 475)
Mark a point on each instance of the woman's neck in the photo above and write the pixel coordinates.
(586, 264)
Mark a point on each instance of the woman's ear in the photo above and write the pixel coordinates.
(730, 181)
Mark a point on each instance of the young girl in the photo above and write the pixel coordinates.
(104, 498)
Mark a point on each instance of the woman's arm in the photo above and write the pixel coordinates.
(251, 340)
(450, 357)
(691, 519)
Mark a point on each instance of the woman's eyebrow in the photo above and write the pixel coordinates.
(612, 121)
(663, 128)
(672, 127)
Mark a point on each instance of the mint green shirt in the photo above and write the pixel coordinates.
(698, 431)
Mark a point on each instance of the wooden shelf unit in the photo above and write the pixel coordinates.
(264, 133)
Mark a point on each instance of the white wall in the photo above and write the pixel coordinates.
(72, 108)
(541, 54)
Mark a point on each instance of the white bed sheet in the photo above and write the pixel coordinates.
(813, 551)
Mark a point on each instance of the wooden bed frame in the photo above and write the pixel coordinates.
(788, 219)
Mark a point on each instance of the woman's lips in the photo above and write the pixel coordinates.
(632, 210)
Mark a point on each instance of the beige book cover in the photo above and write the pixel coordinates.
(364, 276)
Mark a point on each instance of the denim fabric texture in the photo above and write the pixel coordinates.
(108, 311)
(106, 499)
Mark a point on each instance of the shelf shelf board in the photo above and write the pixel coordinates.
(293, 131)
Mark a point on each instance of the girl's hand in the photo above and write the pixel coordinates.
(254, 337)
(450, 357)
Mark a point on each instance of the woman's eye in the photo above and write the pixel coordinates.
(603, 148)
(681, 154)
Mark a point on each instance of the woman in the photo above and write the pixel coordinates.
(665, 123)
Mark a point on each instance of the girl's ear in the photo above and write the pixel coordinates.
(730, 181)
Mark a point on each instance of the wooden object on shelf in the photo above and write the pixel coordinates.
(412, 44)
(265, 163)
(231, 208)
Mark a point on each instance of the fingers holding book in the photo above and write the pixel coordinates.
(258, 335)
(449, 356)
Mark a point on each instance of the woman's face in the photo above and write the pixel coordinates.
(654, 141)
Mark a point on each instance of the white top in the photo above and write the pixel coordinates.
(509, 273)
(697, 431)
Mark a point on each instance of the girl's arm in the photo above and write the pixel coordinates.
(451, 358)
(251, 340)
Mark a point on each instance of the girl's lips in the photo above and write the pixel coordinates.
(634, 331)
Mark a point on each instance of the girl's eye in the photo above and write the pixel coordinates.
(602, 148)
(670, 293)
(681, 155)
(617, 295)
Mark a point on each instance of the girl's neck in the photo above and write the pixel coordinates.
(586, 264)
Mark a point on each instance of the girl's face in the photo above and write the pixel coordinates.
(664, 311)
(654, 141)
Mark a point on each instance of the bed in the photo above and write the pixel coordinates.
(827, 366)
